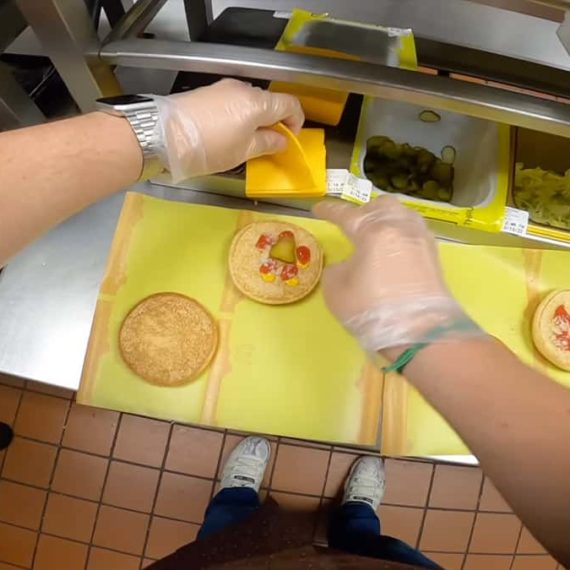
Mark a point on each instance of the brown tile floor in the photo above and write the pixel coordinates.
(95, 489)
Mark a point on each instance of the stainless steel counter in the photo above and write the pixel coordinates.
(48, 292)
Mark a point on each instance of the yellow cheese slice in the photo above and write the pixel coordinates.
(297, 172)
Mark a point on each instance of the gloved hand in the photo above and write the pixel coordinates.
(391, 291)
(215, 128)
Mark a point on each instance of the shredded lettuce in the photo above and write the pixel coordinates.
(544, 194)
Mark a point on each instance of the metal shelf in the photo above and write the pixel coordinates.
(357, 77)
(86, 66)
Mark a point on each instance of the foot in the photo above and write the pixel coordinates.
(365, 482)
(6, 435)
(245, 467)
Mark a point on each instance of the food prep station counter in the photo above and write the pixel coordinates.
(48, 292)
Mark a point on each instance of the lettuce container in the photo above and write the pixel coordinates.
(545, 160)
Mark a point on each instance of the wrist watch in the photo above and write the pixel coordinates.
(142, 114)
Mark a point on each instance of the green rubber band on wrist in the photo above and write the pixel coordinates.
(407, 356)
(404, 358)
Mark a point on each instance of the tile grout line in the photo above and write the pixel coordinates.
(425, 508)
(174, 519)
(305, 443)
(104, 483)
(295, 493)
(142, 512)
(77, 541)
(476, 511)
(501, 554)
(18, 565)
(381, 418)
(218, 465)
(119, 460)
(321, 498)
(516, 546)
(109, 458)
(336, 449)
(8, 385)
(155, 498)
(52, 475)
(70, 399)
(110, 548)
(21, 397)
(327, 471)
(270, 482)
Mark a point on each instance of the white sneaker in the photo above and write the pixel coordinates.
(245, 467)
(365, 482)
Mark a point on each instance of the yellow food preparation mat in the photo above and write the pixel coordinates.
(500, 288)
(288, 370)
(292, 370)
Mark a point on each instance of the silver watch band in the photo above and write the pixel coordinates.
(144, 123)
(144, 120)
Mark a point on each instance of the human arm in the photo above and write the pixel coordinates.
(515, 420)
(390, 294)
(49, 172)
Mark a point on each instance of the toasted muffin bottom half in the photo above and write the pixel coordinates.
(168, 339)
(551, 328)
(247, 259)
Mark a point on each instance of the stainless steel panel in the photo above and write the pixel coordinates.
(16, 107)
(493, 67)
(66, 33)
(369, 43)
(12, 23)
(564, 33)
(458, 22)
(358, 77)
(135, 20)
(48, 294)
(198, 16)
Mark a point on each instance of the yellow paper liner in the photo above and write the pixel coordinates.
(394, 414)
(525, 277)
(500, 288)
(115, 275)
(150, 245)
(532, 264)
(222, 365)
(371, 383)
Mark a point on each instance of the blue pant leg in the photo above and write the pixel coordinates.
(355, 528)
(230, 506)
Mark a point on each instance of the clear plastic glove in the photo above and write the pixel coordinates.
(391, 291)
(215, 128)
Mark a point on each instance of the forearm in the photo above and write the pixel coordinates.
(516, 421)
(50, 172)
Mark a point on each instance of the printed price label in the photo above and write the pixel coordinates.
(336, 180)
(343, 184)
(357, 190)
(516, 221)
